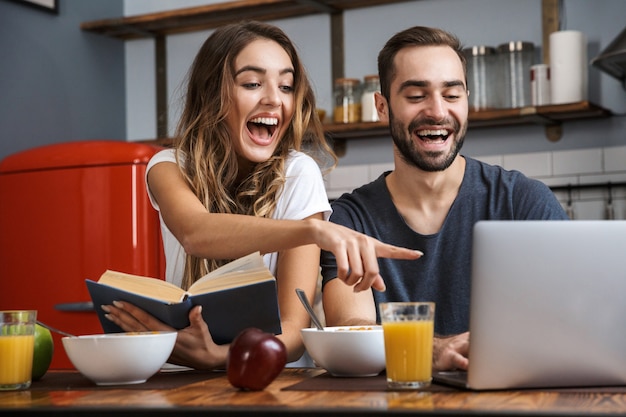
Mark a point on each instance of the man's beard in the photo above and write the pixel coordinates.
(427, 161)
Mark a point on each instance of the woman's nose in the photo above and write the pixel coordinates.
(271, 96)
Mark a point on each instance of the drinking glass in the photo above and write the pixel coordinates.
(408, 329)
(17, 343)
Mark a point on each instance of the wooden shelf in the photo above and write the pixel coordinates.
(548, 116)
(159, 25)
(217, 14)
(539, 115)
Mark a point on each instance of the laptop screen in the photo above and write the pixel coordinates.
(548, 304)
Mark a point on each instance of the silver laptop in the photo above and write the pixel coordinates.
(548, 305)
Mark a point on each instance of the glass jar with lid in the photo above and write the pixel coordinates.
(371, 85)
(482, 71)
(347, 95)
(516, 58)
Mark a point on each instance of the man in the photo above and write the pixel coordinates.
(433, 197)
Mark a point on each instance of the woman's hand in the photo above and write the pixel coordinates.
(357, 254)
(194, 346)
(451, 352)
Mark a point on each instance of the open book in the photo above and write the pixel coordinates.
(235, 296)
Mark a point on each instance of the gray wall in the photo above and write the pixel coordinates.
(61, 84)
(491, 22)
(58, 83)
(476, 22)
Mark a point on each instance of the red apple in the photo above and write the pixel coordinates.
(255, 358)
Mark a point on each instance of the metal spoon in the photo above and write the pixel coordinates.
(52, 329)
(309, 309)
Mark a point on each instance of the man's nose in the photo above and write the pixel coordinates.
(436, 107)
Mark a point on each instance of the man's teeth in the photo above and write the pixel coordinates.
(438, 132)
(265, 120)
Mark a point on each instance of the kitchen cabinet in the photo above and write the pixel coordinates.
(159, 25)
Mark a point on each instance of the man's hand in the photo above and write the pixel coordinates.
(451, 352)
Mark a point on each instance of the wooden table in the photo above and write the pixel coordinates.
(302, 392)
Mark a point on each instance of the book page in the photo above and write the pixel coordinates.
(254, 260)
(242, 271)
(235, 279)
(149, 287)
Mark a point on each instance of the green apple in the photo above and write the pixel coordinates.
(42, 355)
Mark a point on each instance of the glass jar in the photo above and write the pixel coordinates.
(516, 58)
(371, 85)
(347, 94)
(482, 70)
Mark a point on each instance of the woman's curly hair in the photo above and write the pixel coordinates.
(205, 148)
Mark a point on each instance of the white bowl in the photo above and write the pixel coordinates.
(347, 351)
(120, 358)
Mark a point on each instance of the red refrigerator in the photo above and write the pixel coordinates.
(68, 212)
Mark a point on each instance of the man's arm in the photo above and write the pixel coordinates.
(344, 307)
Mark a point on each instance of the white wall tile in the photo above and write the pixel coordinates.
(376, 169)
(348, 177)
(603, 178)
(554, 169)
(581, 161)
(333, 194)
(534, 164)
(614, 159)
(559, 181)
(491, 159)
(590, 210)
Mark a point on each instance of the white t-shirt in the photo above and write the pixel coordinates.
(302, 196)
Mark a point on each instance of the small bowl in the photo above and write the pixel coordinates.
(347, 351)
(120, 358)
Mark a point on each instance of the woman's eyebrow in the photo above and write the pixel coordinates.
(260, 70)
(250, 68)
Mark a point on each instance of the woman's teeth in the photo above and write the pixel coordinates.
(265, 120)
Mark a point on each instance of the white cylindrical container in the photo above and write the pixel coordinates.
(540, 84)
(371, 85)
(568, 67)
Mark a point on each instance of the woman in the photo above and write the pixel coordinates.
(238, 181)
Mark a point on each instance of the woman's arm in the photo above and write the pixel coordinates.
(228, 236)
(297, 268)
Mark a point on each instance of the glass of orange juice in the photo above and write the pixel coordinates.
(17, 343)
(408, 329)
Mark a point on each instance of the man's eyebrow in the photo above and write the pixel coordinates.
(455, 83)
(413, 83)
(424, 83)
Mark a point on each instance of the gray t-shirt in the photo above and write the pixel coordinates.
(442, 275)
